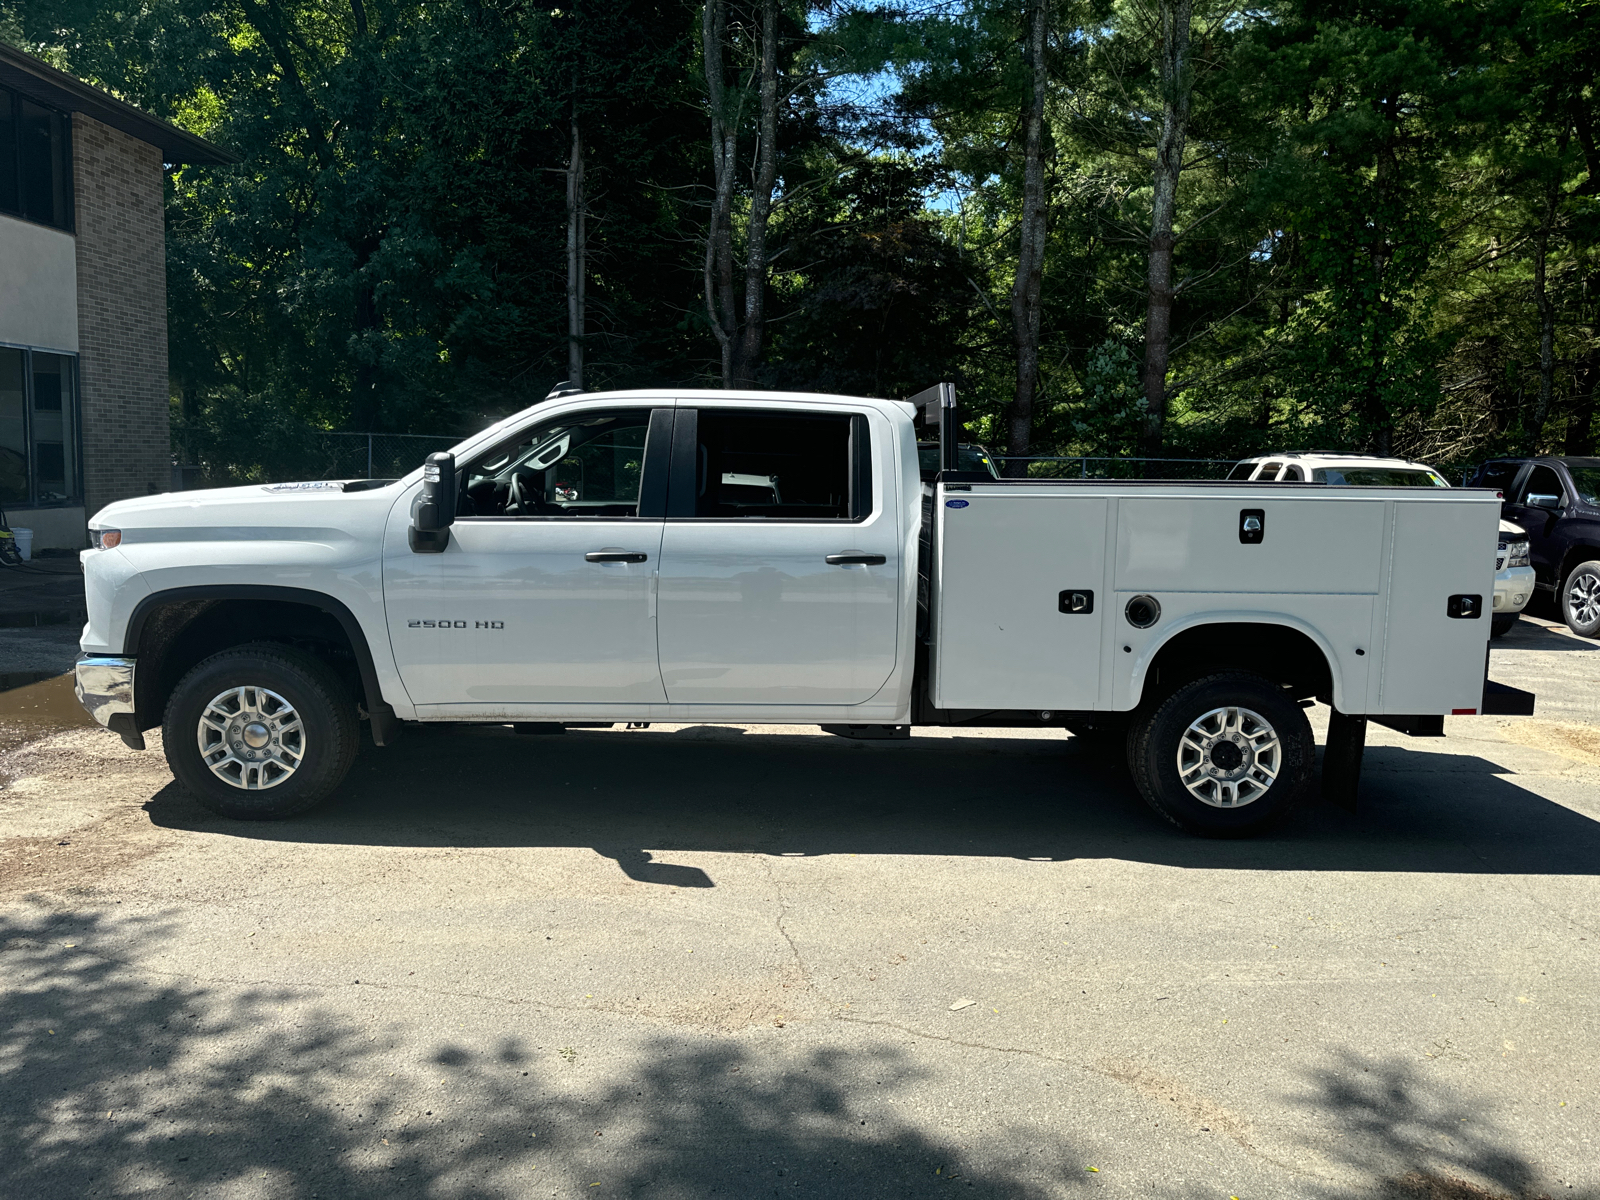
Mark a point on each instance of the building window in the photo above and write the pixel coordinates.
(35, 161)
(39, 446)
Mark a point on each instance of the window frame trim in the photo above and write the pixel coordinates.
(75, 449)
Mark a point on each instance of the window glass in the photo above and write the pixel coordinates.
(54, 438)
(584, 465)
(757, 464)
(35, 169)
(1269, 470)
(13, 430)
(1243, 471)
(1499, 475)
(9, 201)
(1294, 474)
(1542, 481)
(1588, 481)
(41, 164)
(1378, 477)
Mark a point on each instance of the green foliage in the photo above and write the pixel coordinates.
(1371, 197)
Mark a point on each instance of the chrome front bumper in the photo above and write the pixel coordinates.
(105, 687)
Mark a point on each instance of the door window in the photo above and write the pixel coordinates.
(1542, 481)
(749, 464)
(1499, 475)
(584, 464)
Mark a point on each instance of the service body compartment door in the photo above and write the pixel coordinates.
(1003, 639)
(1434, 662)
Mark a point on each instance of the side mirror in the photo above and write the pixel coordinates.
(1536, 500)
(434, 509)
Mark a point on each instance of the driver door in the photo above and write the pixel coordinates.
(546, 591)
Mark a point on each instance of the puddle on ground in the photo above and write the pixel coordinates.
(16, 679)
(37, 710)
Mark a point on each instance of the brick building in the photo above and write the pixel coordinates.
(83, 298)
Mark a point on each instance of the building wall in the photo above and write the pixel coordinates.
(38, 286)
(122, 314)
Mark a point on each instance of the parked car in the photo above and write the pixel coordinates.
(1355, 470)
(1513, 578)
(969, 457)
(1558, 501)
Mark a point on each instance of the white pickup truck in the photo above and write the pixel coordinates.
(686, 556)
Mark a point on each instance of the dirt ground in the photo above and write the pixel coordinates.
(748, 961)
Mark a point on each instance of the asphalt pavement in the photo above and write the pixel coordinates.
(758, 961)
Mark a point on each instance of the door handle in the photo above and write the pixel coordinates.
(851, 557)
(632, 556)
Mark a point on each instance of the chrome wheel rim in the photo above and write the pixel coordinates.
(251, 738)
(1229, 757)
(1583, 598)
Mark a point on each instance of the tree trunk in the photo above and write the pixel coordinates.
(1025, 291)
(755, 263)
(577, 251)
(1580, 425)
(1177, 84)
(718, 280)
(365, 409)
(1547, 329)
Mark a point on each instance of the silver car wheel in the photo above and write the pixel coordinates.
(251, 738)
(1229, 757)
(1583, 597)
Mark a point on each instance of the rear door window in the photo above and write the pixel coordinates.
(748, 464)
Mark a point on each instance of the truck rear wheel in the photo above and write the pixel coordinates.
(260, 732)
(1224, 756)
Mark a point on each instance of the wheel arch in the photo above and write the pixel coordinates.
(159, 621)
(1579, 552)
(1275, 645)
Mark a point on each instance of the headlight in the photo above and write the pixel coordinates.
(105, 539)
(1517, 554)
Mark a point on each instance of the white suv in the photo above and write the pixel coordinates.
(1513, 577)
(1355, 469)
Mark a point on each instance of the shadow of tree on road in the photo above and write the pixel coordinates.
(112, 1085)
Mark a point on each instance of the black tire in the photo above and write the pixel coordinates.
(1155, 740)
(327, 716)
(1502, 625)
(1579, 607)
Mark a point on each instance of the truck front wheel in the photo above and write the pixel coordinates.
(1224, 756)
(260, 732)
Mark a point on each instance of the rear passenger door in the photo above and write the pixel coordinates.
(780, 561)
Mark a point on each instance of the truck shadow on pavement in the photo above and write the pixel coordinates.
(640, 795)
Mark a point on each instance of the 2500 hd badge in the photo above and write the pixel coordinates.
(455, 624)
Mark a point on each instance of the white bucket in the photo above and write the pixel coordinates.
(24, 542)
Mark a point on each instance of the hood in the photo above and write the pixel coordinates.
(1511, 529)
(254, 510)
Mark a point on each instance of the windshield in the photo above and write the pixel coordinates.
(1587, 481)
(1378, 477)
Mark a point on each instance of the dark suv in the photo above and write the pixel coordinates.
(1557, 500)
